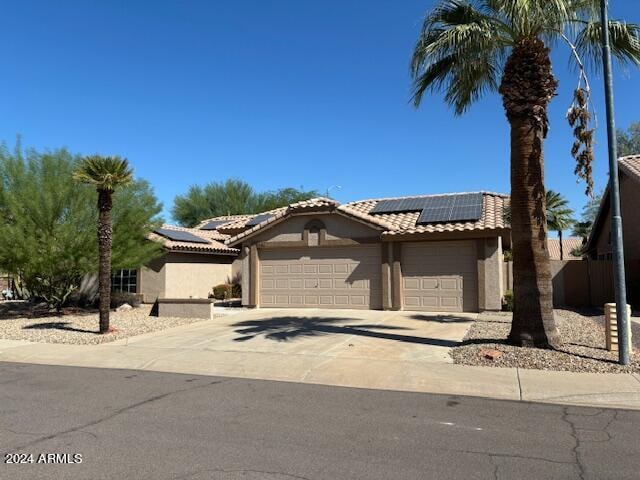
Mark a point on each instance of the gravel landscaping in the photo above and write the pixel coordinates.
(584, 348)
(78, 326)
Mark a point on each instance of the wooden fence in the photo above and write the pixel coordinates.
(582, 283)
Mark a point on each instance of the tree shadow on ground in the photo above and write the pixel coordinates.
(291, 327)
(440, 318)
(57, 326)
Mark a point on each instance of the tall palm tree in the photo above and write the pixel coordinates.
(559, 215)
(106, 174)
(470, 47)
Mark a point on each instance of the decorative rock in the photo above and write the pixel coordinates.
(124, 308)
(490, 354)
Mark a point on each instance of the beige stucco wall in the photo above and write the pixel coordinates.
(630, 201)
(191, 275)
(490, 281)
(338, 227)
(151, 280)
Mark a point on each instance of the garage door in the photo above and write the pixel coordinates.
(440, 277)
(346, 277)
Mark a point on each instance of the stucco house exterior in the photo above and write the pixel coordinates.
(392, 253)
(599, 246)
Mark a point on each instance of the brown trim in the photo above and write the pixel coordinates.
(253, 275)
(344, 242)
(437, 236)
(396, 283)
(387, 302)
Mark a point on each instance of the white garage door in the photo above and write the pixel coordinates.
(440, 277)
(345, 277)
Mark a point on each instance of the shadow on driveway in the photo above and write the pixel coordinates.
(287, 328)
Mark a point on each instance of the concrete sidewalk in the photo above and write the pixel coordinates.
(599, 390)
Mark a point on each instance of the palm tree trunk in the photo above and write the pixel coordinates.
(561, 247)
(104, 253)
(527, 87)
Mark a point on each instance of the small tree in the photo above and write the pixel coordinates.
(106, 174)
(629, 140)
(47, 223)
(559, 215)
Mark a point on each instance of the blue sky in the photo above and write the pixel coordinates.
(278, 93)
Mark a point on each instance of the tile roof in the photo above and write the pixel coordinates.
(568, 245)
(215, 241)
(631, 166)
(390, 224)
(405, 223)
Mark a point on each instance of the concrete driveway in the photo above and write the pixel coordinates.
(362, 334)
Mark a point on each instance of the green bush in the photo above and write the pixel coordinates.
(222, 291)
(507, 301)
(236, 290)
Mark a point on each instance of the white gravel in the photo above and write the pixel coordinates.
(584, 348)
(76, 326)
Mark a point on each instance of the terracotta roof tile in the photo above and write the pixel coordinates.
(631, 166)
(215, 241)
(392, 223)
(568, 245)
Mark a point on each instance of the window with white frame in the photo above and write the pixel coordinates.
(124, 280)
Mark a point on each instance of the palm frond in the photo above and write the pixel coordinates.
(624, 37)
(105, 173)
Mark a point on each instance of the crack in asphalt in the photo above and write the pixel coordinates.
(574, 434)
(120, 411)
(221, 470)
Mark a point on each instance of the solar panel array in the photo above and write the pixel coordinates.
(180, 236)
(437, 208)
(213, 224)
(258, 219)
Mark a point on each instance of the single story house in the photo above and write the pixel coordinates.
(421, 253)
(193, 262)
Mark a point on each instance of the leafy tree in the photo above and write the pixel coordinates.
(105, 174)
(629, 141)
(470, 47)
(559, 215)
(232, 197)
(583, 227)
(48, 223)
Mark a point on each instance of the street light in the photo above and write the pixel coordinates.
(614, 192)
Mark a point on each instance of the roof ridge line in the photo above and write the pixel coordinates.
(427, 195)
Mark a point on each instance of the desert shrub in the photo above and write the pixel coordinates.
(236, 290)
(222, 291)
(507, 301)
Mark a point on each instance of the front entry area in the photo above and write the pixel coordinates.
(440, 276)
(330, 277)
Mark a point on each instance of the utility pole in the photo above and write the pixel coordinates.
(614, 193)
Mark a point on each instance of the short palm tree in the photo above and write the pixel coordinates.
(106, 174)
(470, 47)
(559, 215)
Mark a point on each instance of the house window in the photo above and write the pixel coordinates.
(124, 281)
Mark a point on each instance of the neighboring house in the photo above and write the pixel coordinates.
(429, 253)
(599, 246)
(568, 246)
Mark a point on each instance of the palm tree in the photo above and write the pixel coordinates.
(106, 174)
(559, 215)
(470, 47)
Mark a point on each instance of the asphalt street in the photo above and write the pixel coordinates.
(146, 425)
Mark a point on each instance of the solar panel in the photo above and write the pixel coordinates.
(258, 219)
(451, 208)
(213, 224)
(180, 236)
(399, 205)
